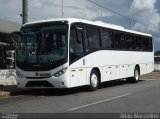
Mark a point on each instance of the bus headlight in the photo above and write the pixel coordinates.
(61, 72)
(19, 74)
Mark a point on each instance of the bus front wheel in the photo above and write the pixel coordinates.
(94, 80)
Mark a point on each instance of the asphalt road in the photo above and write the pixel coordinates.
(112, 97)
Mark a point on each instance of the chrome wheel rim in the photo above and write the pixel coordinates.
(136, 75)
(94, 80)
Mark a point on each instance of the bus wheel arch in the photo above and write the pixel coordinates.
(136, 75)
(95, 79)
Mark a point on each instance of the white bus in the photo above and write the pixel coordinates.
(67, 53)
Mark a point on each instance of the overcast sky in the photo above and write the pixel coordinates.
(143, 11)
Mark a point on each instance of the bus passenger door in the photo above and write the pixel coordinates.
(77, 60)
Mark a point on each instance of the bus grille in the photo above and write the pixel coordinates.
(39, 84)
(37, 77)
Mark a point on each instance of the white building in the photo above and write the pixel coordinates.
(7, 46)
(157, 63)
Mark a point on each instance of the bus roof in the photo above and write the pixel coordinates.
(96, 23)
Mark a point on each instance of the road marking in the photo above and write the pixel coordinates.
(102, 101)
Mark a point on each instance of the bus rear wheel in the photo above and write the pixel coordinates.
(136, 76)
(94, 80)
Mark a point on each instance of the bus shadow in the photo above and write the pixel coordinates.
(64, 92)
(116, 83)
(50, 92)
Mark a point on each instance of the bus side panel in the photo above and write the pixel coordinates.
(107, 73)
(145, 61)
(78, 76)
(124, 71)
(78, 73)
(122, 63)
(112, 65)
(150, 67)
(115, 72)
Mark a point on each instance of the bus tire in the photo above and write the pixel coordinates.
(94, 80)
(136, 76)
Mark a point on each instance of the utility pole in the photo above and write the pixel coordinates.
(62, 9)
(25, 11)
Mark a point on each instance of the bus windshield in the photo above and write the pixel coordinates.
(42, 44)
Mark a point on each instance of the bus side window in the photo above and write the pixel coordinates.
(147, 44)
(80, 41)
(76, 44)
(150, 44)
(130, 43)
(116, 41)
(122, 41)
(119, 42)
(93, 37)
(139, 43)
(107, 41)
(73, 38)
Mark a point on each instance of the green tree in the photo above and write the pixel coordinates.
(157, 52)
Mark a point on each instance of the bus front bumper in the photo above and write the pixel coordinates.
(53, 82)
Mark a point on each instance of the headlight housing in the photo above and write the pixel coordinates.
(61, 72)
(19, 74)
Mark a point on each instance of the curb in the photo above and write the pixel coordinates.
(5, 94)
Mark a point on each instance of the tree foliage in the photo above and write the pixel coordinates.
(157, 52)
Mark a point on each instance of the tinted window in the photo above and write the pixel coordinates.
(76, 44)
(130, 42)
(116, 41)
(76, 41)
(80, 42)
(93, 38)
(45, 45)
(107, 41)
(119, 41)
(147, 44)
(150, 44)
(138, 43)
(122, 41)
